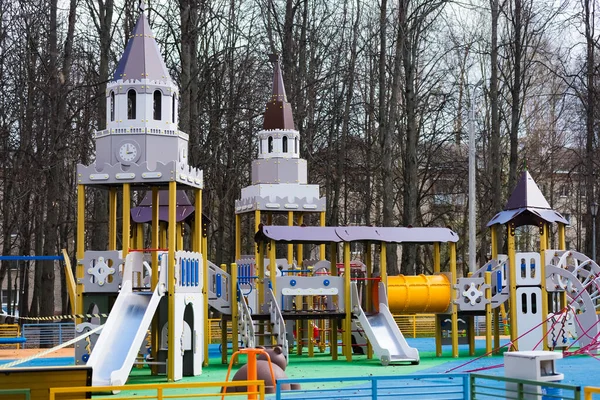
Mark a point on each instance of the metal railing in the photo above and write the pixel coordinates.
(589, 391)
(168, 390)
(486, 387)
(417, 386)
(47, 334)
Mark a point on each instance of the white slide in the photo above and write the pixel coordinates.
(126, 327)
(382, 331)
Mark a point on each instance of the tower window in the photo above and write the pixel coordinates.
(157, 105)
(112, 105)
(173, 108)
(270, 144)
(131, 104)
(296, 149)
(260, 146)
(285, 145)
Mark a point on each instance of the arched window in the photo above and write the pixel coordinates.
(157, 105)
(285, 146)
(296, 149)
(260, 146)
(270, 144)
(173, 108)
(131, 104)
(112, 105)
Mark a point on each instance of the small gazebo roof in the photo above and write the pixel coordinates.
(336, 234)
(527, 206)
(184, 210)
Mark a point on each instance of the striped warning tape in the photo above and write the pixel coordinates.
(60, 346)
(57, 317)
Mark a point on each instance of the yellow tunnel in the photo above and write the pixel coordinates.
(417, 294)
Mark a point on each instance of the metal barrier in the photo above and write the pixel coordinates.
(47, 334)
(165, 390)
(589, 391)
(10, 331)
(486, 387)
(416, 325)
(418, 386)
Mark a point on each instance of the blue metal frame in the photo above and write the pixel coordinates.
(438, 386)
(31, 258)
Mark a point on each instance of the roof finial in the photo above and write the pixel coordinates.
(142, 6)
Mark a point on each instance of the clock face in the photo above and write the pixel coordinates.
(128, 152)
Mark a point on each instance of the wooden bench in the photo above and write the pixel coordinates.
(39, 380)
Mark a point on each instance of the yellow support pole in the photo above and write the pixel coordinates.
(79, 272)
(383, 266)
(488, 313)
(494, 238)
(290, 247)
(513, 286)
(334, 322)
(562, 241)
(171, 238)
(348, 321)
(126, 218)
(369, 286)
(257, 255)
(70, 280)
(139, 244)
(179, 236)
(154, 238)
(234, 310)
(438, 321)
(198, 246)
(543, 247)
(322, 246)
(112, 218)
(454, 305)
(238, 236)
(272, 266)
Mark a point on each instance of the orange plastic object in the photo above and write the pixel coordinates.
(252, 353)
(416, 294)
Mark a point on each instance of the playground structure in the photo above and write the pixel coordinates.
(159, 280)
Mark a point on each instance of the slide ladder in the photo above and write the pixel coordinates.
(126, 327)
(277, 325)
(382, 331)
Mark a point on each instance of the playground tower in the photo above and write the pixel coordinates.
(142, 150)
(528, 295)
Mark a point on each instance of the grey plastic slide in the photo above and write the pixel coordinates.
(389, 344)
(126, 327)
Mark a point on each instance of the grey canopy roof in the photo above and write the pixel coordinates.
(142, 58)
(329, 234)
(527, 206)
(143, 212)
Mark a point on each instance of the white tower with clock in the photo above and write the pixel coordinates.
(141, 142)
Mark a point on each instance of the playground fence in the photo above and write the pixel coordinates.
(47, 334)
(416, 325)
(205, 390)
(486, 387)
(10, 331)
(422, 386)
(589, 391)
(214, 330)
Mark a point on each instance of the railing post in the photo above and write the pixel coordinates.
(373, 388)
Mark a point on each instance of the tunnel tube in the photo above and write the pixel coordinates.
(416, 294)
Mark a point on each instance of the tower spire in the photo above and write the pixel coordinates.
(278, 112)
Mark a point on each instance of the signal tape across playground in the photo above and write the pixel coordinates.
(57, 317)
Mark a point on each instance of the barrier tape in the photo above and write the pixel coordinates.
(60, 346)
(56, 317)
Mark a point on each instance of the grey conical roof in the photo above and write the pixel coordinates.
(527, 206)
(142, 58)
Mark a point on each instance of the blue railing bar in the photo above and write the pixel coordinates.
(442, 377)
(248, 277)
(296, 270)
(31, 258)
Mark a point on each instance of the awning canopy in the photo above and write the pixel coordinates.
(333, 234)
